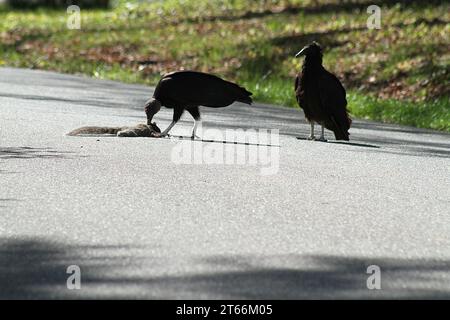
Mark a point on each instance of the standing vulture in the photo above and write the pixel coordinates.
(321, 95)
(187, 90)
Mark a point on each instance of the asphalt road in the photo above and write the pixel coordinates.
(305, 224)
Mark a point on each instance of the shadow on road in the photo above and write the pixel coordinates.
(344, 143)
(5, 201)
(6, 172)
(34, 268)
(31, 153)
(355, 144)
(93, 101)
(187, 138)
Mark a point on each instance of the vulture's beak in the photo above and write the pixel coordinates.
(301, 52)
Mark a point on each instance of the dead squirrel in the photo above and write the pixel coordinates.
(140, 130)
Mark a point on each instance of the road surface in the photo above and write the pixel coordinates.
(142, 220)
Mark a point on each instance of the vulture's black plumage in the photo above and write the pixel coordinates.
(321, 95)
(187, 90)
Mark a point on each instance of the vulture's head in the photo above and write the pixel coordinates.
(151, 108)
(311, 50)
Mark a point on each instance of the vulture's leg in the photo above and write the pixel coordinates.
(311, 135)
(166, 132)
(322, 135)
(177, 113)
(195, 113)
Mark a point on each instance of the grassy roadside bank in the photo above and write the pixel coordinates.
(397, 74)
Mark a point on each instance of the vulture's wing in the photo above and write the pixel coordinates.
(190, 88)
(333, 93)
(297, 88)
(333, 99)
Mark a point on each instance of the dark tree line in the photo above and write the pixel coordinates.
(58, 3)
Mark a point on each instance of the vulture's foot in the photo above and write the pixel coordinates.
(322, 139)
(193, 137)
(311, 138)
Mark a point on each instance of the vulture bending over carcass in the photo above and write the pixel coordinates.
(187, 90)
(321, 95)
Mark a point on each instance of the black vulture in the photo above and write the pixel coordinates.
(187, 90)
(321, 95)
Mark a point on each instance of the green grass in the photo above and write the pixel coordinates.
(427, 114)
(396, 74)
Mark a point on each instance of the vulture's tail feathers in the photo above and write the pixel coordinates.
(244, 96)
(247, 100)
(341, 129)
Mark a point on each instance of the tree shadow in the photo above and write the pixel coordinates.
(56, 4)
(32, 153)
(314, 277)
(6, 172)
(318, 8)
(327, 39)
(291, 44)
(5, 201)
(35, 268)
(415, 152)
(97, 101)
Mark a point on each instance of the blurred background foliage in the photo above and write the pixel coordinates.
(399, 73)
